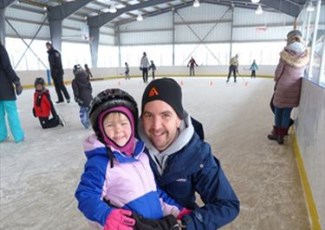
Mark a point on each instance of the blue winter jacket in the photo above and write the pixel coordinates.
(193, 168)
(129, 184)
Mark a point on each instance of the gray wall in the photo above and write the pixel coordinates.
(310, 131)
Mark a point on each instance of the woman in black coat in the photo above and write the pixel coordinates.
(9, 87)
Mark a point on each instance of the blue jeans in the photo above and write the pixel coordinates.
(282, 117)
(83, 113)
(9, 108)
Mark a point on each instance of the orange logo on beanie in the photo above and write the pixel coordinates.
(153, 92)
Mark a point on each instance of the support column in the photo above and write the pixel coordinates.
(3, 5)
(311, 61)
(94, 41)
(118, 43)
(231, 31)
(56, 33)
(173, 38)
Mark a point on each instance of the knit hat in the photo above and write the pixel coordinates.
(293, 33)
(167, 90)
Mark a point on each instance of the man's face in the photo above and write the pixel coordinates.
(160, 123)
(48, 47)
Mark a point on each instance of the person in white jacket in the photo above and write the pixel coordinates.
(144, 66)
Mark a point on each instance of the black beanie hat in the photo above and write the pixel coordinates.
(167, 90)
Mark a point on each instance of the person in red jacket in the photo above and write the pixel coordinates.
(43, 106)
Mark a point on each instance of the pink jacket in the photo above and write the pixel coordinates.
(288, 78)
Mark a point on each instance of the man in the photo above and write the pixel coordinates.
(192, 63)
(182, 162)
(57, 73)
(9, 87)
(144, 65)
(233, 68)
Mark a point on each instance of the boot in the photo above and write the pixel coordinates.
(281, 133)
(274, 134)
(290, 124)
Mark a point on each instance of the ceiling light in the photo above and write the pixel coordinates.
(139, 18)
(112, 9)
(259, 10)
(255, 1)
(310, 7)
(196, 3)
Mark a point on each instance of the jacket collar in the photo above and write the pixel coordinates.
(295, 60)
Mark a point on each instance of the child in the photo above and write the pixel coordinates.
(153, 67)
(43, 106)
(127, 71)
(88, 71)
(82, 92)
(253, 68)
(118, 180)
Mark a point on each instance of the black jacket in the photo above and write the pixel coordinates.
(55, 63)
(8, 77)
(82, 89)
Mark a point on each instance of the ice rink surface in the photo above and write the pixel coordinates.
(38, 177)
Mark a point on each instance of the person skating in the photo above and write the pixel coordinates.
(191, 64)
(10, 86)
(233, 67)
(153, 69)
(57, 73)
(90, 75)
(43, 107)
(127, 71)
(82, 92)
(144, 65)
(253, 68)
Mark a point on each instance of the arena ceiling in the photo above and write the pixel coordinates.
(98, 12)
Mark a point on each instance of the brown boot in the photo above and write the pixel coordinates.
(281, 133)
(274, 134)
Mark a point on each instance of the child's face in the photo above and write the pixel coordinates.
(118, 128)
(39, 87)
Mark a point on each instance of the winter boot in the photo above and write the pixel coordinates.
(274, 134)
(290, 124)
(281, 133)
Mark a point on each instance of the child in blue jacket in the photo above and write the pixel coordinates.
(117, 184)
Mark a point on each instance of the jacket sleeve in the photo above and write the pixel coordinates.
(51, 106)
(221, 204)
(89, 191)
(75, 89)
(169, 205)
(6, 66)
(279, 70)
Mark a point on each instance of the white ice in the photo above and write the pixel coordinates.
(38, 177)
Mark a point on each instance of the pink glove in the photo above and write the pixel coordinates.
(119, 219)
(183, 212)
